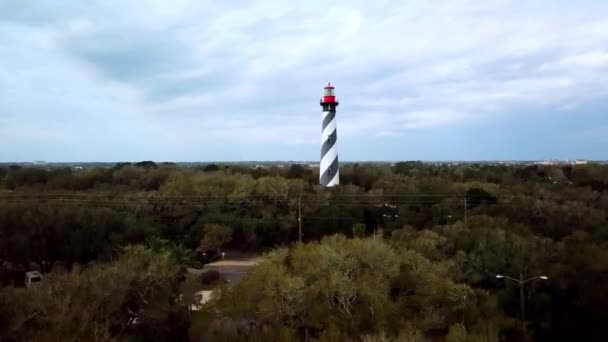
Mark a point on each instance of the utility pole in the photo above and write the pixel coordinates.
(300, 218)
(522, 304)
(465, 210)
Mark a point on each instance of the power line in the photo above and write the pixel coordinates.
(235, 204)
(204, 199)
(293, 196)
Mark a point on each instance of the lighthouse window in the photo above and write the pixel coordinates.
(329, 92)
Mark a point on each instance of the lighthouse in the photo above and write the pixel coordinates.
(329, 172)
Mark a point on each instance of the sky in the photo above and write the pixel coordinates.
(196, 80)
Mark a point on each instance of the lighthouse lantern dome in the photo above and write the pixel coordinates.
(329, 96)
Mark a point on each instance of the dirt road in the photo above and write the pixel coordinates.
(230, 269)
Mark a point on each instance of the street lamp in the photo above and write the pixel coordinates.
(521, 281)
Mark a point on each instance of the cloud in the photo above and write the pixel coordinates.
(428, 118)
(232, 75)
(386, 134)
(568, 107)
(591, 59)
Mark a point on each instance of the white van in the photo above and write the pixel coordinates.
(32, 277)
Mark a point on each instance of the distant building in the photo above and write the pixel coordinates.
(562, 162)
(550, 162)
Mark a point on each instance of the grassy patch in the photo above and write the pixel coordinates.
(199, 323)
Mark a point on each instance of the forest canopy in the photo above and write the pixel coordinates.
(405, 251)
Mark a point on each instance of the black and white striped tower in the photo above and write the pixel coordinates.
(329, 172)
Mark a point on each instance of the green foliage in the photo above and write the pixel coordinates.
(478, 196)
(359, 230)
(486, 333)
(134, 296)
(46, 234)
(211, 168)
(531, 220)
(363, 282)
(216, 235)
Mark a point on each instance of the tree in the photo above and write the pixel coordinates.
(211, 168)
(297, 171)
(364, 283)
(359, 230)
(408, 168)
(273, 188)
(136, 296)
(478, 196)
(216, 235)
(47, 234)
(146, 164)
(529, 219)
(3, 173)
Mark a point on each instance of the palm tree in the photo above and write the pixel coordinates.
(182, 255)
(157, 244)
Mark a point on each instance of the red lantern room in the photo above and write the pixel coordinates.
(329, 95)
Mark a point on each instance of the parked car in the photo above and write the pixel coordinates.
(207, 255)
